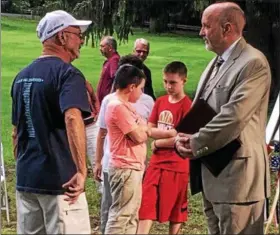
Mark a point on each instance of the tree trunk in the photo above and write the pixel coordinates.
(157, 25)
(158, 16)
(154, 25)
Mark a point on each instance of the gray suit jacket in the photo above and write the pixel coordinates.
(240, 97)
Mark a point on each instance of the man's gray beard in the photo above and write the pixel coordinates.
(207, 47)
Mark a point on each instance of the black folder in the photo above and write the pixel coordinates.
(198, 116)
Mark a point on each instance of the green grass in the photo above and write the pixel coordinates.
(20, 46)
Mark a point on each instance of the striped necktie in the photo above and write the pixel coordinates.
(217, 66)
(214, 72)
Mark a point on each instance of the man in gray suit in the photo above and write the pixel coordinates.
(236, 85)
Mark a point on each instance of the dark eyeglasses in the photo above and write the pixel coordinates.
(141, 51)
(80, 35)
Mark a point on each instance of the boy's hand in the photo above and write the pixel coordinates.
(173, 132)
(153, 146)
(97, 172)
(149, 131)
(145, 128)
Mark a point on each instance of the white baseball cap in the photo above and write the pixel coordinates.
(55, 21)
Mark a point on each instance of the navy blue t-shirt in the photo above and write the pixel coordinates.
(41, 93)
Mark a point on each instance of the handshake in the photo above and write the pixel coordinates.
(183, 146)
(167, 139)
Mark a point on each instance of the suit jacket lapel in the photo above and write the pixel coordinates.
(203, 79)
(230, 61)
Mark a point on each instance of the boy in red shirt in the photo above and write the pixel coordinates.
(165, 183)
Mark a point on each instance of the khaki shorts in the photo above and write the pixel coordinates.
(50, 214)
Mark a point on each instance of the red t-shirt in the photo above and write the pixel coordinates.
(109, 69)
(167, 115)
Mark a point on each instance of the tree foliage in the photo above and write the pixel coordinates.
(15, 6)
(117, 16)
(108, 16)
(266, 36)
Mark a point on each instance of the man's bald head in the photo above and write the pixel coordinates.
(228, 12)
(222, 24)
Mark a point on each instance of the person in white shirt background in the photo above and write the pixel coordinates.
(144, 107)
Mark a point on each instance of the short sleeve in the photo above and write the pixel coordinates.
(14, 113)
(126, 124)
(154, 115)
(150, 105)
(73, 94)
(101, 117)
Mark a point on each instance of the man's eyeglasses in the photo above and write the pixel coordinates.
(141, 51)
(80, 35)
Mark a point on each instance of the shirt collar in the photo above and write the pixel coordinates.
(228, 51)
(115, 54)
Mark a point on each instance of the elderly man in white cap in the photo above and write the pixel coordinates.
(49, 102)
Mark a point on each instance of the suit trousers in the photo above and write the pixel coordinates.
(234, 218)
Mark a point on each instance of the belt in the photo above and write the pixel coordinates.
(88, 121)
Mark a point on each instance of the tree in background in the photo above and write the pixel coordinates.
(118, 16)
(6, 5)
(15, 6)
(262, 29)
(108, 16)
(161, 12)
(263, 32)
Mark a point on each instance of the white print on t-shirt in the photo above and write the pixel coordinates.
(27, 84)
(165, 121)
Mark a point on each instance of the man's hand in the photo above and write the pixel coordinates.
(97, 172)
(75, 186)
(182, 144)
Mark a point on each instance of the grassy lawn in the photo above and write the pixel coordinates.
(20, 46)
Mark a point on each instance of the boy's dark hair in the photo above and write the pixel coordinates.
(176, 67)
(128, 74)
(131, 59)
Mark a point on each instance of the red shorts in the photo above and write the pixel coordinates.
(164, 196)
